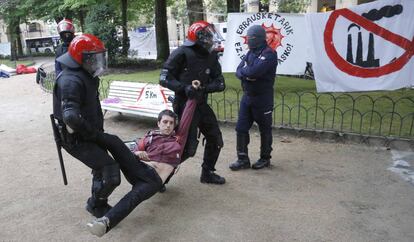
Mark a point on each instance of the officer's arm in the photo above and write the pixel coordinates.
(171, 71)
(71, 109)
(259, 66)
(216, 83)
(239, 68)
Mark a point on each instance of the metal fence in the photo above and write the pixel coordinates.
(363, 114)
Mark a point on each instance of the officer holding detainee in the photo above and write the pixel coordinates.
(78, 111)
(197, 60)
(257, 72)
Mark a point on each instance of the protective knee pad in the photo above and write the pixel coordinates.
(111, 178)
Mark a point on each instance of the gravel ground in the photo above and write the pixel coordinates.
(312, 192)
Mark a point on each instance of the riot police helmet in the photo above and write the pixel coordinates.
(203, 34)
(66, 30)
(88, 52)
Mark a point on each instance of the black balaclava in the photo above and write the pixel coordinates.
(256, 37)
(66, 37)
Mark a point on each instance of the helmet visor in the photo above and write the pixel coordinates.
(209, 38)
(96, 63)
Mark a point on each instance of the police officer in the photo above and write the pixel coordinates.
(197, 60)
(66, 31)
(257, 72)
(77, 108)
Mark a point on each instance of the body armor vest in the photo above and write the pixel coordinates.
(197, 67)
(90, 106)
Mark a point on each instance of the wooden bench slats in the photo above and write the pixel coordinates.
(130, 97)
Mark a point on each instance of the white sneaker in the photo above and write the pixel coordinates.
(98, 226)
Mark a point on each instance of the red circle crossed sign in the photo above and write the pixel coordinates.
(358, 71)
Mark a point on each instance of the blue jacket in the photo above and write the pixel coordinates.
(257, 71)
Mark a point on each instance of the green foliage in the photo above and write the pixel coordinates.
(293, 6)
(141, 12)
(102, 21)
(128, 63)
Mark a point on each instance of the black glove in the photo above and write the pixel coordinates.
(190, 92)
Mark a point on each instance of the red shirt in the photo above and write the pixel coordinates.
(168, 148)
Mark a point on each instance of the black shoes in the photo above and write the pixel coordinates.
(240, 164)
(97, 211)
(261, 163)
(211, 177)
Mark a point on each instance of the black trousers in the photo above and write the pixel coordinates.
(144, 179)
(204, 119)
(105, 170)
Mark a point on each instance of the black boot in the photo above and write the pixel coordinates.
(261, 163)
(266, 140)
(97, 209)
(208, 176)
(243, 161)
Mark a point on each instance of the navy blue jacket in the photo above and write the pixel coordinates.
(257, 71)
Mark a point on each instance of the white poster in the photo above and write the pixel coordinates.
(285, 33)
(364, 48)
(5, 49)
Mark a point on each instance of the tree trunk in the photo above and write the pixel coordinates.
(81, 15)
(11, 30)
(233, 6)
(195, 10)
(18, 38)
(161, 30)
(125, 40)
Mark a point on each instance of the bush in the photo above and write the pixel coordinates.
(148, 64)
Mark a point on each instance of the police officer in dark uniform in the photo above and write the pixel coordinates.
(66, 31)
(257, 72)
(197, 60)
(78, 111)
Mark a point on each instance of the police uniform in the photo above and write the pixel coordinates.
(77, 108)
(185, 64)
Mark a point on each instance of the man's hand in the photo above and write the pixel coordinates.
(196, 84)
(143, 155)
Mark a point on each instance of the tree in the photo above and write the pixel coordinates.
(217, 7)
(291, 6)
(161, 30)
(101, 21)
(12, 12)
(124, 21)
(195, 10)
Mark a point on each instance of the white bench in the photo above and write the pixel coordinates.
(142, 99)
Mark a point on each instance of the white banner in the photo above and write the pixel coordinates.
(5, 49)
(364, 48)
(285, 33)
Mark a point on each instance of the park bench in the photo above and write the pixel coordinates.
(141, 99)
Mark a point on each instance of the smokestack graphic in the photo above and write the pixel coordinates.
(373, 15)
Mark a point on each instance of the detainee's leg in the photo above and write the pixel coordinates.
(141, 191)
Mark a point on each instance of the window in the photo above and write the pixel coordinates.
(34, 27)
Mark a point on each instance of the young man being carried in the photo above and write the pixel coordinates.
(155, 159)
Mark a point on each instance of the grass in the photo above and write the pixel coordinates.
(13, 64)
(385, 113)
